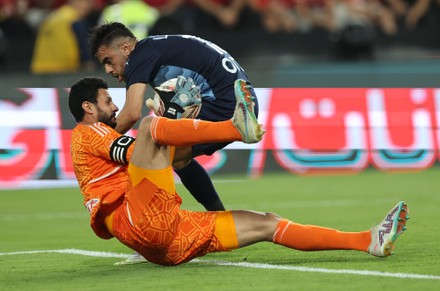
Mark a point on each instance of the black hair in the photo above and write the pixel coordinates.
(105, 34)
(85, 89)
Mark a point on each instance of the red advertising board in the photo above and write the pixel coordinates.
(308, 130)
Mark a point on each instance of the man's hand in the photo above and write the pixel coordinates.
(156, 104)
(174, 97)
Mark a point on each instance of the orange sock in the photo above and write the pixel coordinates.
(185, 132)
(316, 238)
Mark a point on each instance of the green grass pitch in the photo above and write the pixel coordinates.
(55, 219)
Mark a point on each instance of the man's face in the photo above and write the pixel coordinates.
(114, 58)
(106, 109)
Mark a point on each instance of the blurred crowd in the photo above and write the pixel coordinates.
(53, 33)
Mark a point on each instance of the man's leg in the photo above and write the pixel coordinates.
(148, 155)
(186, 132)
(243, 126)
(253, 227)
(195, 178)
(155, 132)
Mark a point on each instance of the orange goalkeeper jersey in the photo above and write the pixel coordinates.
(100, 157)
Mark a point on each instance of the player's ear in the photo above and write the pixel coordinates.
(126, 48)
(87, 107)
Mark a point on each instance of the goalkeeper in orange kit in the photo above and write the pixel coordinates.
(129, 190)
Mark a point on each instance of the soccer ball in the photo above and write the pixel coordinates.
(176, 98)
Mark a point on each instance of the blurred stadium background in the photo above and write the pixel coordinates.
(355, 96)
(341, 113)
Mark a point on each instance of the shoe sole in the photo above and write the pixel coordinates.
(399, 223)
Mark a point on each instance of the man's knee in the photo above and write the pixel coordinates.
(272, 216)
(144, 126)
(182, 157)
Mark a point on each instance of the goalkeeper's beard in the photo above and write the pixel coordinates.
(109, 120)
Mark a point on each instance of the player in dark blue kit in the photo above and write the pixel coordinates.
(156, 59)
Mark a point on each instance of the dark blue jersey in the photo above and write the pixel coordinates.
(157, 59)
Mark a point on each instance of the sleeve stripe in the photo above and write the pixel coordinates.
(153, 128)
(101, 130)
(105, 175)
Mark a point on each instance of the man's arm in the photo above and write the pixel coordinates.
(132, 110)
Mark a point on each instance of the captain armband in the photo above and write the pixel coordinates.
(119, 149)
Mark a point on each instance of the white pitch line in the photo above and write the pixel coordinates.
(241, 264)
(70, 252)
(44, 216)
(320, 270)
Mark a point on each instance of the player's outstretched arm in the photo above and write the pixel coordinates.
(132, 110)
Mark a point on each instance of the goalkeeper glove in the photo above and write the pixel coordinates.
(176, 98)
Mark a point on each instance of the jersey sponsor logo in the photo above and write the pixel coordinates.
(119, 149)
(91, 203)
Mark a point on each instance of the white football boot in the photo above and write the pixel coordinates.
(388, 230)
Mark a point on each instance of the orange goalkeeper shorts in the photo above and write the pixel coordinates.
(151, 222)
